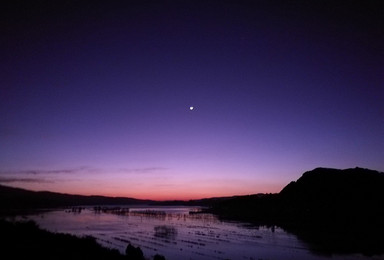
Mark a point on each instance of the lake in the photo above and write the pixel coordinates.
(179, 233)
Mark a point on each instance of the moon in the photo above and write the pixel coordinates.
(191, 108)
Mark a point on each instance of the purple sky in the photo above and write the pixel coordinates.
(95, 97)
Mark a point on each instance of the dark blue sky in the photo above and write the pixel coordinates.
(95, 96)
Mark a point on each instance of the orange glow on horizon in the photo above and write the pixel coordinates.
(177, 193)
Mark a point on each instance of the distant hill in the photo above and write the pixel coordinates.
(16, 198)
(340, 210)
(206, 202)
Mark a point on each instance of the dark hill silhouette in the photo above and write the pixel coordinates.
(337, 195)
(355, 182)
(16, 198)
(334, 210)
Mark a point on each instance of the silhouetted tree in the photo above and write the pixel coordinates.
(134, 253)
(158, 257)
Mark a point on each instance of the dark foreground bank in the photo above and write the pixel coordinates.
(25, 240)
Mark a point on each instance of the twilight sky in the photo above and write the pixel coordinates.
(95, 97)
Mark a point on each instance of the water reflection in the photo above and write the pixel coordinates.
(112, 210)
(177, 234)
(149, 214)
(167, 232)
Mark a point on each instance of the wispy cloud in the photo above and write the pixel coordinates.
(29, 180)
(39, 171)
(82, 169)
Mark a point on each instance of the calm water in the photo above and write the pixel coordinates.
(176, 234)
